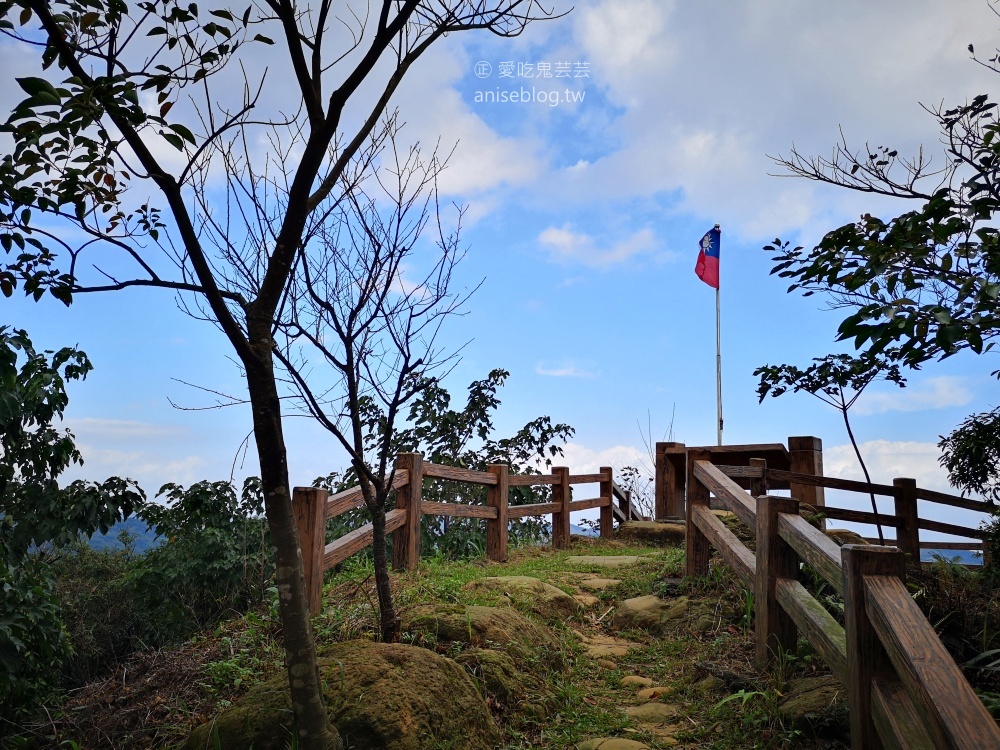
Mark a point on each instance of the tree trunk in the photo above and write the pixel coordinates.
(388, 619)
(857, 452)
(313, 728)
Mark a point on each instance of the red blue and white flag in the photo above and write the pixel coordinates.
(707, 267)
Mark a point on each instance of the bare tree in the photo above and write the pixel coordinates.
(357, 337)
(91, 142)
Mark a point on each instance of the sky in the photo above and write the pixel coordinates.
(646, 123)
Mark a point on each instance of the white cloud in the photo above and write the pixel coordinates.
(932, 393)
(584, 460)
(887, 460)
(565, 370)
(91, 428)
(567, 246)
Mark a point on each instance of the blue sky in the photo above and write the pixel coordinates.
(582, 222)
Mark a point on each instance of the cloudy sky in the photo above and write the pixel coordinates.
(647, 122)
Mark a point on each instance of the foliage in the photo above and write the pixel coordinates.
(971, 454)
(36, 513)
(214, 560)
(837, 380)
(465, 438)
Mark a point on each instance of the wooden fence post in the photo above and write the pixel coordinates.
(866, 657)
(560, 518)
(696, 548)
(496, 528)
(758, 487)
(907, 531)
(406, 539)
(669, 485)
(805, 454)
(775, 631)
(309, 507)
(625, 503)
(607, 490)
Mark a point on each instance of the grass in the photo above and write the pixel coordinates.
(590, 699)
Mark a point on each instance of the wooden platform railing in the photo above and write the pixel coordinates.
(904, 690)
(314, 507)
(904, 518)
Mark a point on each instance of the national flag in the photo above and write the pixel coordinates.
(707, 266)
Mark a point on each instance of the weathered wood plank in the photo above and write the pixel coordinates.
(497, 528)
(858, 516)
(774, 629)
(832, 483)
(530, 480)
(866, 657)
(535, 509)
(741, 472)
(896, 718)
(587, 478)
(560, 517)
(351, 498)
(457, 510)
(591, 502)
(697, 550)
(607, 519)
(457, 474)
(907, 531)
(954, 500)
(948, 528)
(309, 508)
(731, 494)
(937, 686)
(406, 544)
(815, 548)
(819, 626)
(733, 551)
(805, 456)
(354, 541)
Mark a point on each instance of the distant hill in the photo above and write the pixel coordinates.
(145, 538)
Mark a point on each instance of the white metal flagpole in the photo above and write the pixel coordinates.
(718, 347)
(718, 362)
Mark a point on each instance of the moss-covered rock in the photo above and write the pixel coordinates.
(485, 627)
(648, 613)
(652, 533)
(507, 688)
(378, 695)
(815, 704)
(845, 536)
(529, 594)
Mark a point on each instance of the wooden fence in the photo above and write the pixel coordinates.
(314, 507)
(903, 688)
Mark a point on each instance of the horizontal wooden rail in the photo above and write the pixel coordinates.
(960, 546)
(458, 510)
(832, 483)
(353, 542)
(592, 502)
(457, 474)
(948, 528)
(588, 478)
(818, 625)
(530, 480)
(536, 509)
(939, 689)
(857, 516)
(954, 500)
(351, 498)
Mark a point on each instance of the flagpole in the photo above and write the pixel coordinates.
(718, 358)
(718, 363)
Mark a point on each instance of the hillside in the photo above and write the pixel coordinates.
(671, 670)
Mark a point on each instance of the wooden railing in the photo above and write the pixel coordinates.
(903, 688)
(314, 507)
(904, 518)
